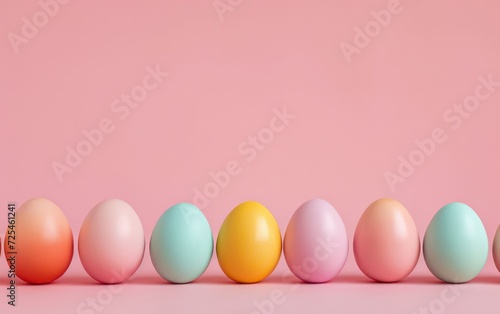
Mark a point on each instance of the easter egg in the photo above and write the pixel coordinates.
(496, 248)
(181, 245)
(386, 242)
(249, 243)
(315, 243)
(111, 242)
(42, 240)
(455, 244)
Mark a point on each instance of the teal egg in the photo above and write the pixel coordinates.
(455, 244)
(181, 244)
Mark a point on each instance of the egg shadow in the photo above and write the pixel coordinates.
(421, 280)
(158, 280)
(361, 279)
(63, 281)
(215, 280)
(356, 279)
(147, 280)
(487, 279)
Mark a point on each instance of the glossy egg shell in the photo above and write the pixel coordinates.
(111, 242)
(386, 241)
(315, 243)
(249, 243)
(496, 248)
(181, 245)
(455, 244)
(43, 242)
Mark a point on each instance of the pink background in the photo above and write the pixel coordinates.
(226, 75)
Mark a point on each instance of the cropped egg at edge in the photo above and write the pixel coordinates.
(43, 242)
(249, 243)
(496, 248)
(386, 241)
(111, 242)
(455, 244)
(181, 245)
(315, 243)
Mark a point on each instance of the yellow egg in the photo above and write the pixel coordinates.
(249, 243)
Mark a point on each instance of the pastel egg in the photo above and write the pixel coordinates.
(315, 243)
(386, 241)
(181, 244)
(496, 248)
(111, 242)
(43, 242)
(249, 243)
(455, 244)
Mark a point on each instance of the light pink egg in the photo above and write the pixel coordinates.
(315, 243)
(386, 241)
(111, 242)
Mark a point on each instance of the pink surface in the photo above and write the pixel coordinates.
(407, 113)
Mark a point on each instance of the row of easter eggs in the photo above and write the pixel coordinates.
(111, 242)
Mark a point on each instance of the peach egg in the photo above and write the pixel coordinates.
(386, 241)
(41, 242)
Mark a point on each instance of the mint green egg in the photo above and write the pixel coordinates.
(455, 244)
(181, 244)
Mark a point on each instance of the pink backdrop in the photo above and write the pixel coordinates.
(359, 87)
